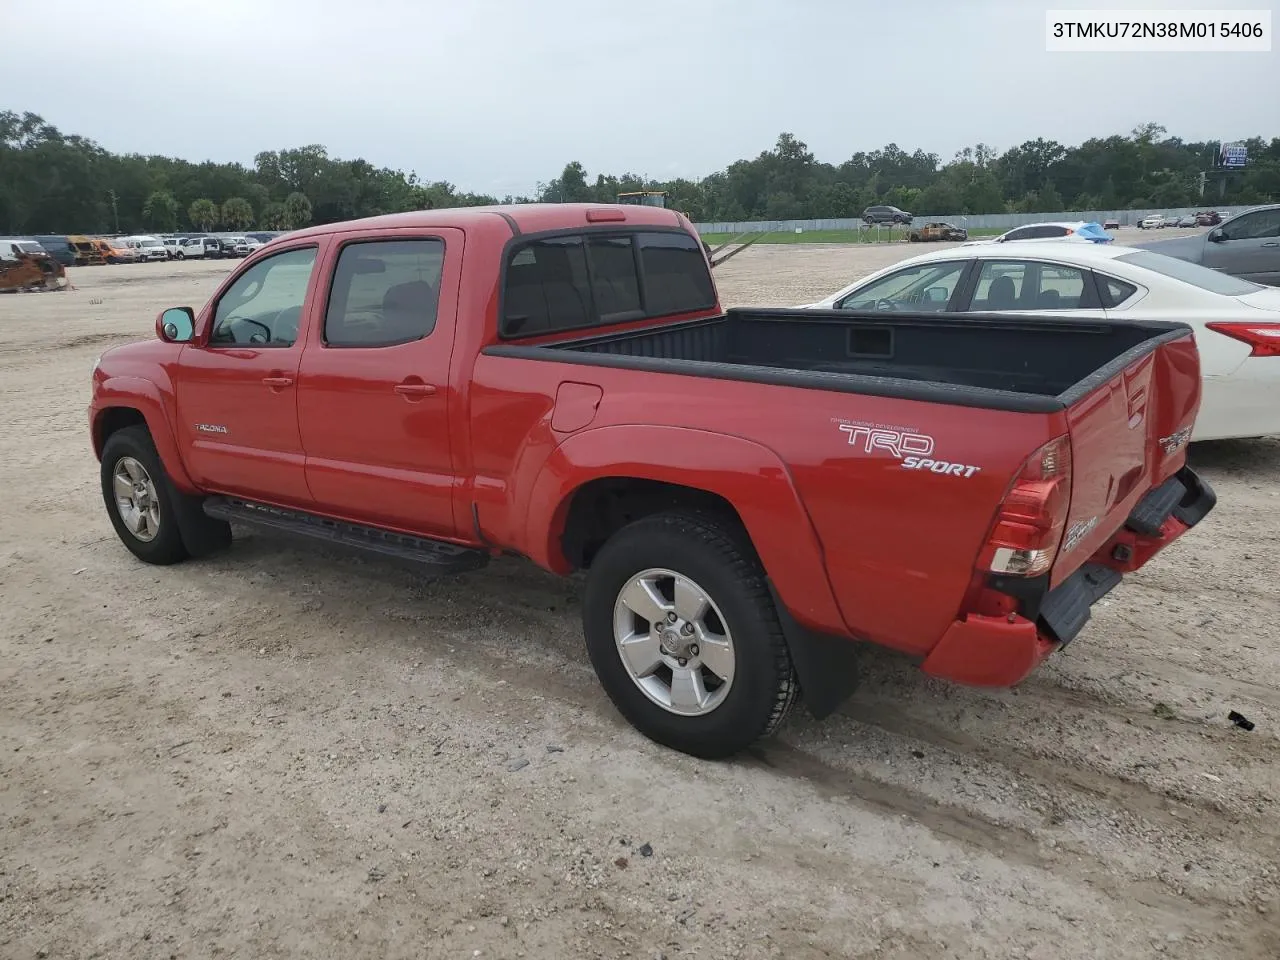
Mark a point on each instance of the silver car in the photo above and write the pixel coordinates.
(1246, 246)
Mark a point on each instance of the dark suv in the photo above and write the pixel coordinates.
(873, 215)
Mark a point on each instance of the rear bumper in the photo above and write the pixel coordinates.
(1001, 651)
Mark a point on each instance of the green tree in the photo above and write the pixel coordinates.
(939, 199)
(1050, 200)
(237, 214)
(273, 217)
(203, 213)
(58, 182)
(160, 211)
(297, 211)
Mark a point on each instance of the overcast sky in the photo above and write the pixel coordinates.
(495, 95)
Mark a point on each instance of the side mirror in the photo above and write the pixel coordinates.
(176, 325)
(1216, 235)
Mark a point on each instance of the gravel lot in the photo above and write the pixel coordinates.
(281, 753)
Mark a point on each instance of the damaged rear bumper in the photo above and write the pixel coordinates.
(1001, 651)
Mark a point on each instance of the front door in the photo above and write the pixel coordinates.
(373, 386)
(1250, 248)
(237, 386)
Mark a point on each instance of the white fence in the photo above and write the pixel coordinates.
(985, 221)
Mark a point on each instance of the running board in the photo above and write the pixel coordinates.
(434, 557)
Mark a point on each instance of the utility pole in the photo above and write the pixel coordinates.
(115, 213)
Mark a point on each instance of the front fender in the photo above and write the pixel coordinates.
(144, 396)
(749, 476)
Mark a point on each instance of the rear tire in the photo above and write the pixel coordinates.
(712, 700)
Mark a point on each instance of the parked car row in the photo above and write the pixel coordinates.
(81, 250)
(1158, 221)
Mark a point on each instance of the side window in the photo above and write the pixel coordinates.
(263, 307)
(1265, 224)
(1022, 233)
(1028, 285)
(384, 293)
(926, 286)
(1114, 292)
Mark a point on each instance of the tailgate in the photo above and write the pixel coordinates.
(1129, 425)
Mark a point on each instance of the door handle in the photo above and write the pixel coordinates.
(1271, 243)
(275, 382)
(415, 391)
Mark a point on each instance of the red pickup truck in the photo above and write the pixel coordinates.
(751, 492)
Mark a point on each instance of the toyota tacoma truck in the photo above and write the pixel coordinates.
(752, 494)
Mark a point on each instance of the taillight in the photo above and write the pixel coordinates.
(1024, 539)
(1264, 338)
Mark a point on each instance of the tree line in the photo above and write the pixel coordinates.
(51, 182)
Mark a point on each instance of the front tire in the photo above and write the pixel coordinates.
(683, 634)
(139, 497)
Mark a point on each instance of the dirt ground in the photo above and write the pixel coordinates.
(281, 753)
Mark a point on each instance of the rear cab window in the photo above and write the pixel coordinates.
(595, 278)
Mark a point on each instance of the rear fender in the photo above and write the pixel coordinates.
(749, 476)
(145, 397)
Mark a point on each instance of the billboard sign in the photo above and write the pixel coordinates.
(1233, 156)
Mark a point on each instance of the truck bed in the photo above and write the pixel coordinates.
(1024, 363)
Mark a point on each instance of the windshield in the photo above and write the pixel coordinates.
(27, 246)
(1191, 273)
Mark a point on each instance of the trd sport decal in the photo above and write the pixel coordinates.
(910, 448)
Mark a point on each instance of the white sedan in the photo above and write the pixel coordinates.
(1236, 322)
(1052, 230)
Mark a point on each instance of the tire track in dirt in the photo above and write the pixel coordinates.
(1131, 795)
(971, 829)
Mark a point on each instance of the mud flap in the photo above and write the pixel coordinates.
(826, 665)
(201, 534)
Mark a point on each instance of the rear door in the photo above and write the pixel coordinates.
(374, 397)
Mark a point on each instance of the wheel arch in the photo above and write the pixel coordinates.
(599, 479)
(121, 402)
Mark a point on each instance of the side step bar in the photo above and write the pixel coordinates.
(433, 557)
